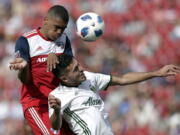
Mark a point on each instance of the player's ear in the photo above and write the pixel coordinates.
(45, 20)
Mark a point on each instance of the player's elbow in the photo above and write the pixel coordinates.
(123, 82)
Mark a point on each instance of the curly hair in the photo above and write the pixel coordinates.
(64, 61)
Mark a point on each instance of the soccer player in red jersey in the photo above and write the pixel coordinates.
(35, 51)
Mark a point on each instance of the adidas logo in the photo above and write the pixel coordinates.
(39, 48)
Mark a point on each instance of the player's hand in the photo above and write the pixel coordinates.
(52, 60)
(54, 102)
(168, 70)
(17, 64)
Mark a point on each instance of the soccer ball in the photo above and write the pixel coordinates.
(90, 26)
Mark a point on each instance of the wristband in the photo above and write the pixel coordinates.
(55, 131)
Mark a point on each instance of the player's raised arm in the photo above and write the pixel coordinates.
(135, 77)
(55, 108)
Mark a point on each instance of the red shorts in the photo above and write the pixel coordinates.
(38, 120)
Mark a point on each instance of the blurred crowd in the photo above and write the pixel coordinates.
(140, 35)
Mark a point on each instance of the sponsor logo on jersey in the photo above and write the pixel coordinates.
(91, 102)
(42, 59)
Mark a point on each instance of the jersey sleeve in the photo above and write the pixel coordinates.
(65, 99)
(98, 81)
(22, 47)
(102, 81)
(68, 49)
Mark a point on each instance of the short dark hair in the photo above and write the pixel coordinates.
(59, 12)
(64, 61)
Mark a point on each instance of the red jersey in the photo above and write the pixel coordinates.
(34, 48)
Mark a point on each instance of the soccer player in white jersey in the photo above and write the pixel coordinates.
(77, 100)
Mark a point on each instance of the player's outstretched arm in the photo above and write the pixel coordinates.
(135, 77)
(55, 118)
(23, 67)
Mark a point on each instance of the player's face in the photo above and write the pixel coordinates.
(54, 27)
(75, 75)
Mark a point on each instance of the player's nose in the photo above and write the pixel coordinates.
(59, 31)
(80, 69)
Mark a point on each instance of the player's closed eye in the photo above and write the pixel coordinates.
(76, 68)
(56, 28)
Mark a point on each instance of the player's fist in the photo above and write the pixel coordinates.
(54, 102)
(17, 64)
(168, 70)
(52, 60)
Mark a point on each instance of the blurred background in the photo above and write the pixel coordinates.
(140, 35)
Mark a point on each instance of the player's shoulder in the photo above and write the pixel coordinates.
(31, 33)
(55, 91)
(22, 42)
(59, 90)
(94, 76)
(90, 75)
(87, 73)
(64, 34)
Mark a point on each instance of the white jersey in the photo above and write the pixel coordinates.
(83, 108)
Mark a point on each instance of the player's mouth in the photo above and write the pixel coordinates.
(56, 37)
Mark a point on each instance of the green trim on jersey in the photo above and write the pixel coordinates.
(108, 83)
(78, 120)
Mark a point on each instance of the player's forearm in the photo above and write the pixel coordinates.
(56, 120)
(134, 77)
(24, 74)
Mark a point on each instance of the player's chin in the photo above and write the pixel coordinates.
(54, 38)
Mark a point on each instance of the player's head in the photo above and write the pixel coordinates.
(55, 22)
(69, 71)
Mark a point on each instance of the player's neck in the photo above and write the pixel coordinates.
(69, 84)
